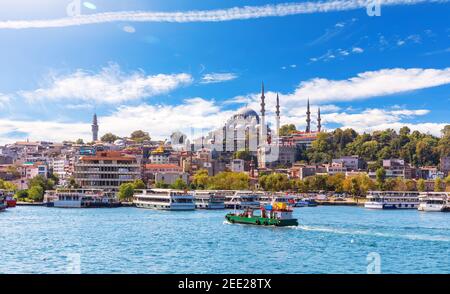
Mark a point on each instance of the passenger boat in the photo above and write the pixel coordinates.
(306, 202)
(243, 199)
(8, 198)
(79, 198)
(433, 201)
(278, 214)
(164, 199)
(209, 200)
(392, 200)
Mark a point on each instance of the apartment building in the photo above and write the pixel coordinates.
(106, 170)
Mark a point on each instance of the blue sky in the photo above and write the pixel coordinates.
(190, 74)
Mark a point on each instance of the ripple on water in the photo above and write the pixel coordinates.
(130, 240)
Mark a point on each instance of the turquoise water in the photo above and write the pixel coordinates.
(131, 240)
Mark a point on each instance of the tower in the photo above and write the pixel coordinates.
(263, 120)
(277, 112)
(94, 128)
(308, 118)
(319, 121)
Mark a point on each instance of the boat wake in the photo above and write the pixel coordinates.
(375, 234)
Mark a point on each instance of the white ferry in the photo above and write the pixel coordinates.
(79, 198)
(243, 199)
(433, 201)
(284, 198)
(392, 200)
(164, 199)
(209, 200)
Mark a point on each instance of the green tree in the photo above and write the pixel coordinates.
(179, 184)
(380, 176)
(161, 185)
(286, 130)
(438, 183)
(200, 179)
(139, 184)
(421, 187)
(21, 195)
(126, 191)
(140, 136)
(109, 138)
(229, 181)
(36, 193)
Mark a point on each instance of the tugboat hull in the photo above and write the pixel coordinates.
(260, 221)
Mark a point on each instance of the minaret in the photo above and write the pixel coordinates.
(308, 119)
(94, 128)
(319, 122)
(278, 115)
(263, 120)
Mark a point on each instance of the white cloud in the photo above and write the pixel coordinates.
(218, 78)
(369, 84)
(193, 115)
(4, 100)
(371, 120)
(110, 85)
(235, 13)
(364, 85)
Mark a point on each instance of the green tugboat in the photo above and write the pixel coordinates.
(278, 214)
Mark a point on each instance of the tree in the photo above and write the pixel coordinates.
(200, 179)
(36, 193)
(275, 182)
(380, 176)
(39, 180)
(109, 138)
(21, 195)
(179, 184)
(140, 136)
(438, 183)
(286, 130)
(421, 185)
(161, 185)
(126, 191)
(5, 185)
(447, 183)
(139, 184)
(229, 181)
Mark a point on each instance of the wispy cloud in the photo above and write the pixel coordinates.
(217, 78)
(235, 13)
(110, 85)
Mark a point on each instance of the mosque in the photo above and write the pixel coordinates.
(248, 130)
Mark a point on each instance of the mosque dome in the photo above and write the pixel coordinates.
(246, 113)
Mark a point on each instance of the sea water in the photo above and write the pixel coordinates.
(329, 239)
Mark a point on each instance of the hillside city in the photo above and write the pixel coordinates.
(235, 157)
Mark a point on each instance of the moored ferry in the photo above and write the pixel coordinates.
(433, 201)
(79, 198)
(209, 200)
(243, 199)
(164, 199)
(392, 200)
